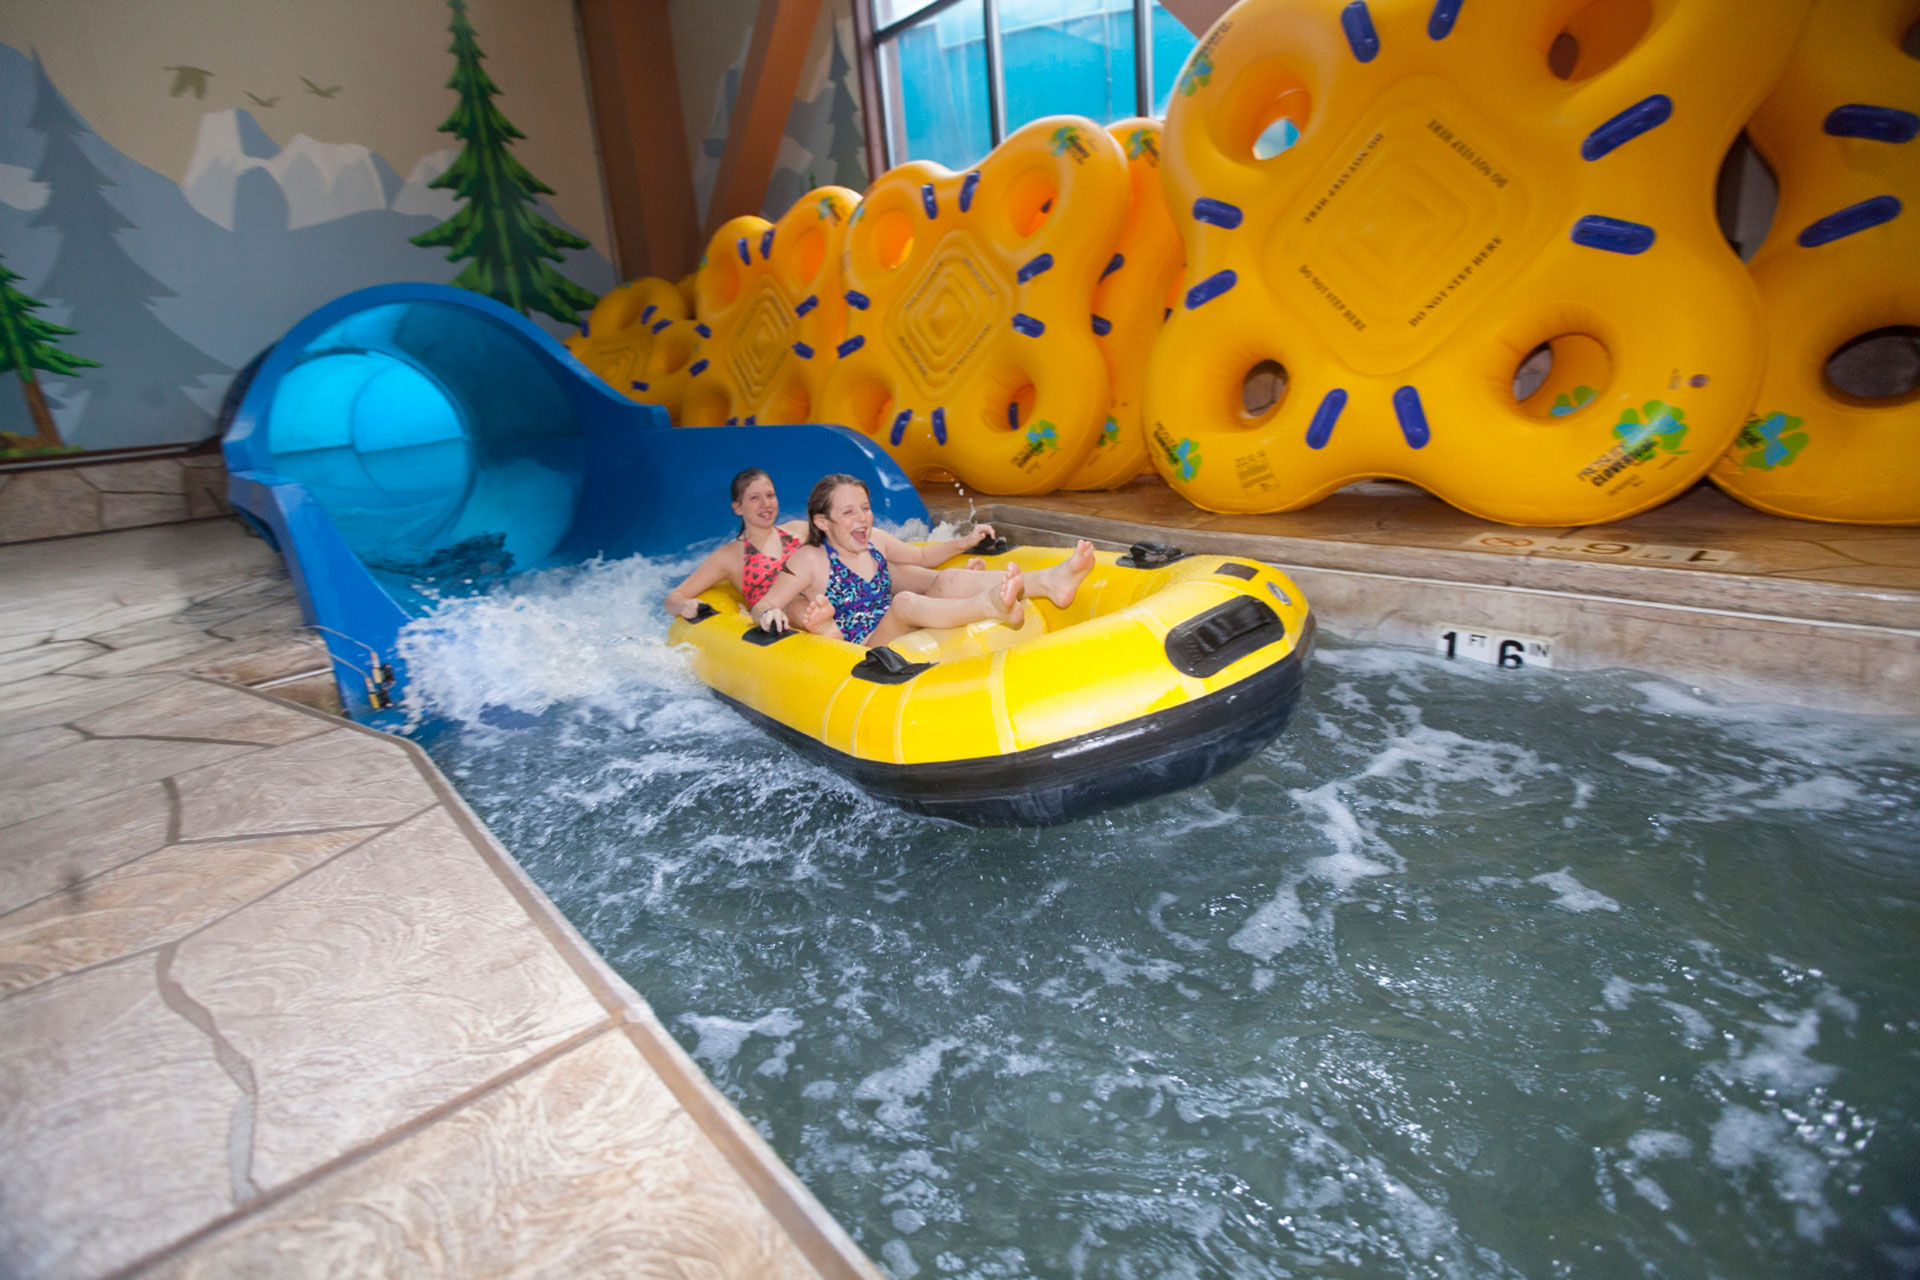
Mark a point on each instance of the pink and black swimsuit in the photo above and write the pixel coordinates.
(758, 569)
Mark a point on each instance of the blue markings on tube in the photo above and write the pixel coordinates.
(851, 345)
(1210, 288)
(802, 350)
(639, 386)
(1648, 113)
(1413, 418)
(1627, 125)
(858, 300)
(940, 426)
(1844, 222)
(658, 325)
(697, 368)
(1361, 37)
(751, 420)
(766, 244)
(1217, 212)
(583, 329)
(1440, 21)
(1114, 263)
(746, 257)
(1320, 430)
(1013, 414)
(901, 421)
(1615, 235)
(1026, 324)
(1034, 268)
(1102, 326)
(648, 313)
(967, 186)
(703, 331)
(1876, 124)
(809, 303)
(927, 199)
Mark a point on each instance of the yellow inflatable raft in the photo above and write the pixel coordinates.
(1166, 670)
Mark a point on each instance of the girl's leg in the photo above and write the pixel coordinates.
(1059, 583)
(912, 611)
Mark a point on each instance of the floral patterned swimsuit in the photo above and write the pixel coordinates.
(758, 569)
(858, 603)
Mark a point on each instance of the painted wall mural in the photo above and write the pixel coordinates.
(128, 298)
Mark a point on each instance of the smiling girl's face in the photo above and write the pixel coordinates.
(759, 506)
(849, 518)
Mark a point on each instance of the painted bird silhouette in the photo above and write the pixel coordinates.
(316, 90)
(188, 78)
(260, 101)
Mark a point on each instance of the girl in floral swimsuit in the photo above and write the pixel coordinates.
(752, 562)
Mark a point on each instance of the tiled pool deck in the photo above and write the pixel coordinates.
(273, 1002)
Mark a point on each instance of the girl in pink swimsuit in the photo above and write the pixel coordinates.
(754, 560)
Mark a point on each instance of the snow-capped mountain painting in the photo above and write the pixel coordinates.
(171, 286)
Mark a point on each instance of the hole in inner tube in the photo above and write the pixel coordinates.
(1030, 201)
(1019, 414)
(893, 238)
(790, 405)
(871, 408)
(1561, 376)
(722, 281)
(1286, 119)
(1878, 366)
(1262, 388)
(1597, 37)
(809, 255)
(1745, 196)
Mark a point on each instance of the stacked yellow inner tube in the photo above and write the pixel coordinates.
(640, 339)
(1439, 206)
(1841, 131)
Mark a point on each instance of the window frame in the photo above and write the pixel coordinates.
(871, 36)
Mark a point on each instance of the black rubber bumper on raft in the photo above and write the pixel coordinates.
(1156, 754)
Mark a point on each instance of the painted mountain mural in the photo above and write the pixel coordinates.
(170, 287)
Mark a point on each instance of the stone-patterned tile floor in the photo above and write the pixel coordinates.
(273, 1002)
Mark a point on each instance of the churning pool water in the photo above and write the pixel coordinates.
(1471, 973)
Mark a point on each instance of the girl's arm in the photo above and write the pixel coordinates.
(795, 580)
(712, 572)
(934, 553)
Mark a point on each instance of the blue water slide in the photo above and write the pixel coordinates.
(409, 423)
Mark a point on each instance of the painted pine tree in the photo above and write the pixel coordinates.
(148, 377)
(846, 147)
(510, 247)
(27, 343)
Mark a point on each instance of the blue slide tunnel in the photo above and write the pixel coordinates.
(412, 422)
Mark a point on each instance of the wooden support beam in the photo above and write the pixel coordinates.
(1197, 15)
(643, 141)
(782, 33)
(872, 116)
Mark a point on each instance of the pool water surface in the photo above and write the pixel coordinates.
(1470, 973)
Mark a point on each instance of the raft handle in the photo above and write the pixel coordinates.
(1236, 569)
(702, 611)
(885, 666)
(1150, 555)
(1209, 642)
(762, 636)
(995, 546)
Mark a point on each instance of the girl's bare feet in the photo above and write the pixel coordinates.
(1004, 597)
(1062, 581)
(977, 564)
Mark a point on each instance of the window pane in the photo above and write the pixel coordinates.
(887, 12)
(935, 75)
(1071, 56)
(1171, 45)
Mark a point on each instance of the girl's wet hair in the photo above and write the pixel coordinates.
(740, 483)
(820, 502)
